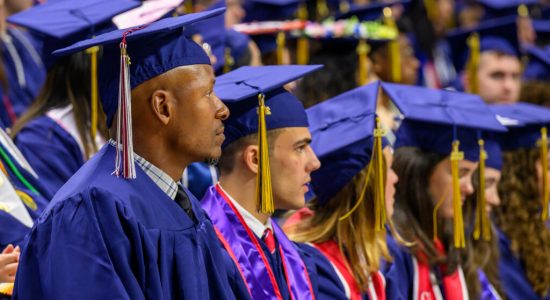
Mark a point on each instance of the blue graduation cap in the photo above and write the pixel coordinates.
(527, 129)
(240, 89)
(236, 46)
(538, 67)
(498, 35)
(153, 49)
(61, 23)
(258, 102)
(494, 152)
(270, 10)
(444, 122)
(343, 136)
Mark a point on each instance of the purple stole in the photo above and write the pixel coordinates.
(245, 250)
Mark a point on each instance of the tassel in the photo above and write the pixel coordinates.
(124, 163)
(322, 9)
(92, 51)
(523, 11)
(229, 60)
(362, 51)
(281, 44)
(482, 227)
(376, 164)
(343, 6)
(473, 62)
(264, 193)
(544, 162)
(395, 55)
(456, 156)
(302, 55)
(188, 6)
(431, 9)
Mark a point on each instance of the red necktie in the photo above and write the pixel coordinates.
(269, 240)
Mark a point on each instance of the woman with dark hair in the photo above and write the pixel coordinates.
(481, 256)
(344, 226)
(62, 129)
(436, 155)
(522, 217)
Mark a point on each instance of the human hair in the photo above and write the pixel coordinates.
(414, 206)
(536, 92)
(336, 77)
(228, 159)
(519, 216)
(479, 254)
(68, 82)
(363, 246)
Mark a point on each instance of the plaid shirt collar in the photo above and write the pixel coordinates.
(159, 177)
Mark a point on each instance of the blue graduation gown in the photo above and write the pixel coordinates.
(276, 263)
(512, 274)
(25, 78)
(104, 237)
(398, 273)
(11, 230)
(52, 152)
(199, 177)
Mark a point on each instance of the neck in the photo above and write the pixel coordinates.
(243, 190)
(159, 154)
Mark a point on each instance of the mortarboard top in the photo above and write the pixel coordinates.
(494, 153)
(542, 28)
(494, 35)
(60, 23)
(435, 118)
(342, 130)
(239, 90)
(538, 67)
(153, 50)
(149, 11)
(524, 122)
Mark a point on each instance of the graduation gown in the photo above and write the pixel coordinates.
(29, 190)
(281, 275)
(104, 237)
(198, 177)
(51, 150)
(25, 74)
(410, 278)
(512, 274)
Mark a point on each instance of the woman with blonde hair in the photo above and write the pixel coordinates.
(344, 226)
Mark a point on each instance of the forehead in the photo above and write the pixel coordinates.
(291, 134)
(194, 76)
(491, 60)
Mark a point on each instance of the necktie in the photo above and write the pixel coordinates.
(269, 240)
(183, 201)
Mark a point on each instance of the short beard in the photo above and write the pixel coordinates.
(212, 161)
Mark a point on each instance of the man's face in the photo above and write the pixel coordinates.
(234, 13)
(197, 128)
(499, 77)
(292, 161)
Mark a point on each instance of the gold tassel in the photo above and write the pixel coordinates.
(482, 227)
(362, 51)
(343, 6)
(322, 9)
(431, 9)
(188, 6)
(395, 55)
(281, 44)
(456, 156)
(473, 62)
(92, 51)
(302, 51)
(544, 162)
(229, 60)
(264, 193)
(523, 11)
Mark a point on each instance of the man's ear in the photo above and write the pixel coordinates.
(250, 156)
(162, 106)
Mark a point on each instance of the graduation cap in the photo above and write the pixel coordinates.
(346, 137)
(503, 8)
(542, 28)
(258, 102)
(538, 67)
(154, 49)
(236, 46)
(444, 122)
(527, 128)
(61, 23)
(499, 35)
